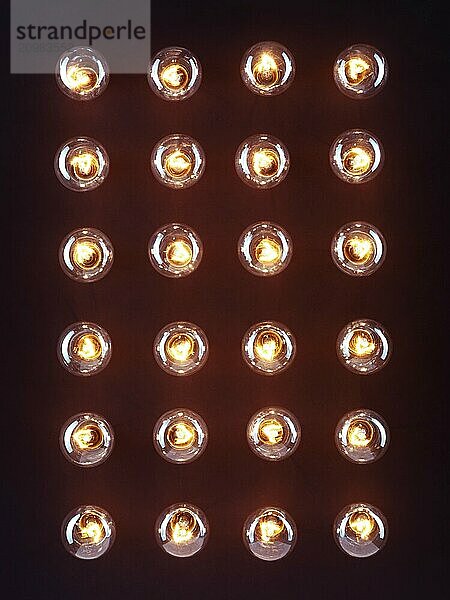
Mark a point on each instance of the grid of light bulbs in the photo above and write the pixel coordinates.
(264, 249)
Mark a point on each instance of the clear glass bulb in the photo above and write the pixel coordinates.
(181, 348)
(81, 164)
(268, 347)
(262, 161)
(175, 250)
(178, 161)
(360, 71)
(86, 255)
(356, 156)
(265, 249)
(180, 435)
(88, 532)
(82, 73)
(270, 533)
(174, 74)
(364, 346)
(360, 530)
(362, 436)
(358, 248)
(182, 530)
(84, 349)
(273, 433)
(268, 68)
(86, 439)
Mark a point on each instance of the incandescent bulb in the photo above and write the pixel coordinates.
(262, 161)
(86, 439)
(81, 164)
(174, 74)
(82, 73)
(363, 346)
(362, 436)
(175, 250)
(268, 347)
(265, 248)
(270, 533)
(273, 433)
(182, 530)
(356, 156)
(88, 532)
(181, 348)
(84, 348)
(360, 530)
(360, 71)
(358, 248)
(177, 161)
(267, 68)
(86, 255)
(180, 436)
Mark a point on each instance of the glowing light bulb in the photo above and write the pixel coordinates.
(88, 532)
(267, 68)
(273, 433)
(356, 156)
(86, 255)
(86, 439)
(181, 348)
(265, 249)
(360, 530)
(262, 161)
(182, 530)
(358, 248)
(82, 73)
(270, 533)
(175, 250)
(363, 346)
(360, 71)
(174, 74)
(268, 347)
(81, 164)
(180, 436)
(362, 436)
(177, 161)
(84, 348)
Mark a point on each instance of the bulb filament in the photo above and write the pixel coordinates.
(270, 528)
(357, 161)
(363, 525)
(182, 528)
(89, 529)
(357, 69)
(359, 249)
(360, 434)
(181, 435)
(271, 432)
(268, 252)
(81, 79)
(174, 77)
(87, 436)
(85, 166)
(179, 253)
(265, 71)
(265, 162)
(178, 164)
(88, 347)
(86, 254)
(180, 347)
(362, 344)
(268, 345)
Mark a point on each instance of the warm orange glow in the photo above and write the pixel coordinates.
(180, 347)
(87, 436)
(268, 252)
(86, 254)
(363, 525)
(360, 434)
(268, 345)
(174, 77)
(357, 69)
(182, 527)
(81, 79)
(362, 343)
(265, 70)
(85, 165)
(265, 162)
(88, 347)
(181, 435)
(357, 161)
(269, 528)
(359, 249)
(179, 253)
(271, 432)
(178, 164)
(89, 529)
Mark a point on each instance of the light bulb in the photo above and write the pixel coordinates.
(181, 348)
(364, 346)
(174, 74)
(265, 249)
(175, 250)
(86, 255)
(356, 156)
(177, 161)
(358, 248)
(262, 161)
(360, 71)
(84, 348)
(180, 436)
(88, 532)
(81, 164)
(273, 433)
(362, 436)
(268, 347)
(182, 530)
(270, 533)
(82, 73)
(267, 68)
(86, 439)
(360, 530)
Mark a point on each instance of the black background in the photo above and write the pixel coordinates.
(312, 297)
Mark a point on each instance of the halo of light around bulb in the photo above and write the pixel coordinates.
(180, 436)
(182, 530)
(270, 533)
(362, 436)
(84, 349)
(358, 249)
(181, 348)
(82, 73)
(81, 164)
(174, 74)
(178, 161)
(360, 530)
(265, 249)
(360, 71)
(86, 255)
(273, 433)
(175, 250)
(262, 161)
(363, 346)
(88, 532)
(268, 68)
(356, 156)
(268, 347)
(86, 439)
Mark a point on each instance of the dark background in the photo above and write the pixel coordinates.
(312, 297)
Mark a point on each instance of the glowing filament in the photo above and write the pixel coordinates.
(179, 253)
(270, 527)
(178, 164)
(357, 70)
(180, 347)
(357, 161)
(359, 249)
(268, 252)
(182, 528)
(362, 343)
(85, 166)
(87, 436)
(88, 347)
(89, 529)
(174, 77)
(86, 254)
(360, 434)
(268, 345)
(81, 79)
(265, 162)
(271, 432)
(181, 435)
(265, 70)
(362, 524)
